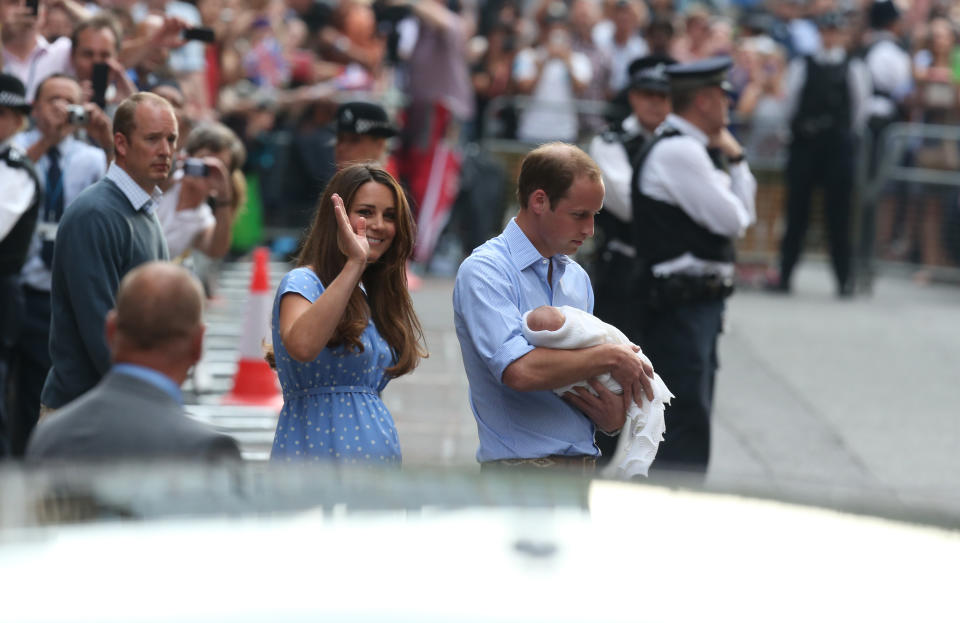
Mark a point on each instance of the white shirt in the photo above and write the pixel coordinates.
(620, 55)
(180, 227)
(617, 170)
(17, 196)
(45, 59)
(892, 73)
(858, 83)
(679, 171)
(81, 165)
(553, 114)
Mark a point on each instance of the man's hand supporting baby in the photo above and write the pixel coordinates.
(549, 368)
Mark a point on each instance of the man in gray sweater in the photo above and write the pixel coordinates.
(109, 229)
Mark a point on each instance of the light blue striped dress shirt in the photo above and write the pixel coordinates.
(502, 279)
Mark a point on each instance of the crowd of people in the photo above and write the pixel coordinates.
(129, 132)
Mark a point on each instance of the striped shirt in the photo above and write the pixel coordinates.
(501, 280)
(134, 193)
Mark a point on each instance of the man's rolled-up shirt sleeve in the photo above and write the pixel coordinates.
(487, 303)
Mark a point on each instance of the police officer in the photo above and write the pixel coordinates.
(363, 129)
(827, 96)
(615, 150)
(19, 202)
(693, 195)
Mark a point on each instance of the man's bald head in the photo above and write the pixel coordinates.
(159, 309)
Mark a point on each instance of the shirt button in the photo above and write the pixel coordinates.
(545, 261)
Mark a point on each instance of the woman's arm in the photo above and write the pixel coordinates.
(305, 327)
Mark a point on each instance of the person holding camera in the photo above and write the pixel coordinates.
(26, 54)
(554, 76)
(693, 195)
(19, 203)
(201, 199)
(65, 166)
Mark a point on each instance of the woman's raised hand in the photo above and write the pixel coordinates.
(353, 244)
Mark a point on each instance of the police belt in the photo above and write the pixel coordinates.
(680, 289)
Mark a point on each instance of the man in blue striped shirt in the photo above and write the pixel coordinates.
(519, 420)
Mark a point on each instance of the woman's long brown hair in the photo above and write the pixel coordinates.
(385, 280)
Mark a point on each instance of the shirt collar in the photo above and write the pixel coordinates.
(522, 252)
(136, 195)
(148, 375)
(631, 125)
(832, 56)
(686, 127)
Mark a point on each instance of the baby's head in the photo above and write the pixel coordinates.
(545, 318)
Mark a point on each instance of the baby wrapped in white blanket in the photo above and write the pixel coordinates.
(571, 328)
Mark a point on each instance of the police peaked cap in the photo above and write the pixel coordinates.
(13, 94)
(649, 73)
(364, 118)
(708, 72)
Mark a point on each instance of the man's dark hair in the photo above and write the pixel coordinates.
(62, 76)
(553, 168)
(97, 22)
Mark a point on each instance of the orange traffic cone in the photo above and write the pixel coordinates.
(255, 383)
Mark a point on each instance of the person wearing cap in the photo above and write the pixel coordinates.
(693, 195)
(65, 166)
(362, 132)
(891, 70)
(826, 103)
(19, 203)
(614, 151)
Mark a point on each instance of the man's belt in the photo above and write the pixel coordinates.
(683, 289)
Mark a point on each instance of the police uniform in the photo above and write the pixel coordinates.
(689, 205)
(827, 98)
(18, 218)
(615, 150)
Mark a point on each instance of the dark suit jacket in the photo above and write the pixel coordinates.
(124, 417)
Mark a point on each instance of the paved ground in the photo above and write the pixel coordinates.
(846, 402)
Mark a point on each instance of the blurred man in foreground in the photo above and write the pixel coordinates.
(155, 335)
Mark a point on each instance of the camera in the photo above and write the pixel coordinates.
(195, 167)
(200, 33)
(76, 115)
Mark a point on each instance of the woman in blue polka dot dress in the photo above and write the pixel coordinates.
(344, 325)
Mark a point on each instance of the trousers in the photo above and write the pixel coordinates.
(681, 342)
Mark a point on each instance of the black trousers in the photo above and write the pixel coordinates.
(824, 161)
(11, 317)
(616, 302)
(681, 342)
(31, 362)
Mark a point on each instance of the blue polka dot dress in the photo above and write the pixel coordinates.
(332, 410)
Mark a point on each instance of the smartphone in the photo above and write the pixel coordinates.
(34, 6)
(195, 167)
(101, 72)
(201, 33)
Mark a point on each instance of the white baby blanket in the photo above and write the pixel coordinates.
(644, 428)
